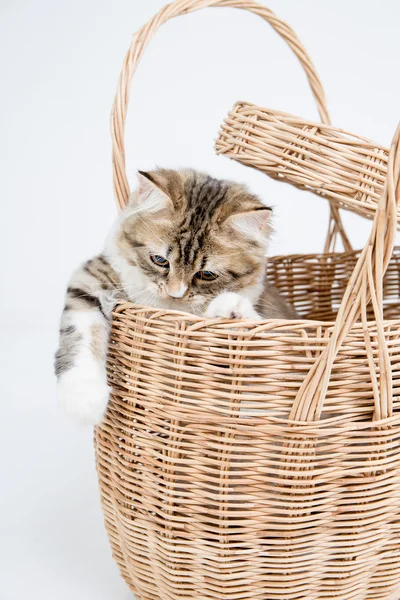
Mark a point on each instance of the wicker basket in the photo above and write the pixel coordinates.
(261, 460)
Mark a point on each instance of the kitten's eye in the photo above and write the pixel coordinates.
(206, 275)
(160, 261)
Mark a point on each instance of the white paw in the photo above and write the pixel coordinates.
(231, 306)
(84, 394)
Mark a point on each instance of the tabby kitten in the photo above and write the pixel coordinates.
(186, 241)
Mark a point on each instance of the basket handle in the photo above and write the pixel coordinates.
(132, 59)
(365, 284)
(135, 53)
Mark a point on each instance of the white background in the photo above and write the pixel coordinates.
(60, 64)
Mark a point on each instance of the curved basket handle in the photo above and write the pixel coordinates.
(138, 46)
(365, 284)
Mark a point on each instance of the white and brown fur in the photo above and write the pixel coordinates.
(199, 225)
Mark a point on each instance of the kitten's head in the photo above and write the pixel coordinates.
(193, 237)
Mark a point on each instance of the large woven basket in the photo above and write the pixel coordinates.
(261, 460)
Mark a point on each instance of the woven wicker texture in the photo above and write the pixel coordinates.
(315, 283)
(201, 496)
(346, 169)
(261, 460)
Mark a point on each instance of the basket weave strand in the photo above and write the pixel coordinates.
(260, 460)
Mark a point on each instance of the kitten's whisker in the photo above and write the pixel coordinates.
(265, 304)
(138, 294)
(132, 297)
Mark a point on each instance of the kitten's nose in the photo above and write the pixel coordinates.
(177, 290)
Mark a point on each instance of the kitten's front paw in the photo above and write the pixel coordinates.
(84, 394)
(231, 306)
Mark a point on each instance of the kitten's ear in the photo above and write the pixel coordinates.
(252, 223)
(149, 196)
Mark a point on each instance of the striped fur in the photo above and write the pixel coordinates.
(196, 224)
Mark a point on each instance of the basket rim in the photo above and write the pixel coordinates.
(305, 255)
(258, 325)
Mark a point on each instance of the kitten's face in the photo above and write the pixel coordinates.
(194, 237)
